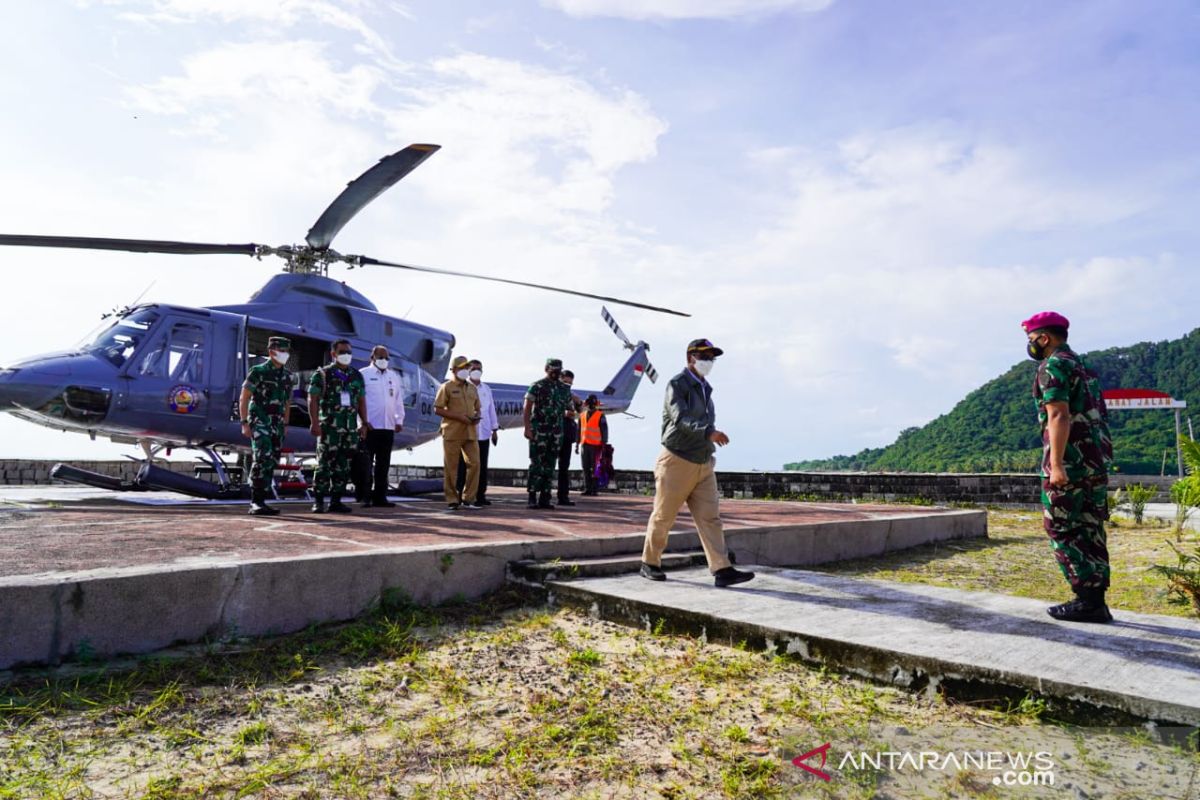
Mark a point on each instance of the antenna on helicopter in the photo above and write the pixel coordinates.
(315, 256)
(121, 312)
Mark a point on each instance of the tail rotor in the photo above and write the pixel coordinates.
(651, 372)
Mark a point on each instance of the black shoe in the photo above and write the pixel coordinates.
(338, 507)
(1080, 610)
(544, 500)
(652, 572)
(730, 576)
(562, 501)
(383, 504)
(471, 505)
(261, 509)
(366, 503)
(453, 506)
(318, 506)
(483, 501)
(533, 502)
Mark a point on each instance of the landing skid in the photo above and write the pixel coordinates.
(150, 478)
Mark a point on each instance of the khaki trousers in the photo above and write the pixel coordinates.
(468, 451)
(678, 481)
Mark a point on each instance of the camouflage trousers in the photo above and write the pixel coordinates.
(543, 460)
(1074, 520)
(335, 455)
(266, 439)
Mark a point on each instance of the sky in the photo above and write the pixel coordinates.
(858, 200)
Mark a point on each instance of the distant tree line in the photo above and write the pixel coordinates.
(994, 428)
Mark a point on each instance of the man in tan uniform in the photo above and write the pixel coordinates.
(457, 403)
(685, 470)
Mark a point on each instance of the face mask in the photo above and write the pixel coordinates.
(344, 359)
(555, 375)
(1035, 351)
(462, 374)
(703, 367)
(381, 363)
(280, 358)
(476, 374)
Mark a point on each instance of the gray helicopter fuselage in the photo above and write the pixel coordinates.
(172, 375)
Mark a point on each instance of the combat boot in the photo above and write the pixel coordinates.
(544, 500)
(1088, 606)
(259, 507)
(532, 500)
(318, 506)
(336, 506)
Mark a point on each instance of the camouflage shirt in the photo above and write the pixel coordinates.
(1065, 378)
(329, 383)
(270, 390)
(551, 399)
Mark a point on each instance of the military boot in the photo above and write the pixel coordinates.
(318, 506)
(258, 504)
(1088, 606)
(544, 500)
(336, 506)
(532, 500)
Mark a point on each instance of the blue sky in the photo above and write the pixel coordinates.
(857, 200)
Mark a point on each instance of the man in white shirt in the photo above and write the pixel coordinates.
(488, 426)
(385, 418)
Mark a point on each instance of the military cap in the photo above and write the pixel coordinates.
(703, 346)
(279, 343)
(553, 363)
(459, 361)
(1045, 319)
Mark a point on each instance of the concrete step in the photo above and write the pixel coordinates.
(969, 644)
(540, 572)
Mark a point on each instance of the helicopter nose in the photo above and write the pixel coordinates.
(28, 387)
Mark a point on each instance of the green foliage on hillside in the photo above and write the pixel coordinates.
(994, 428)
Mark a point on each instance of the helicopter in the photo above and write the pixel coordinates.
(167, 376)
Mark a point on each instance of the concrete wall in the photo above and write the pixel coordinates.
(939, 488)
(50, 617)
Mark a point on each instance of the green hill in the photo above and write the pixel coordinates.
(994, 428)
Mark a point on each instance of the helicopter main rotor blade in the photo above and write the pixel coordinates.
(128, 245)
(365, 260)
(365, 188)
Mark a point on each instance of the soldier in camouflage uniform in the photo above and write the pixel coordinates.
(336, 402)
(546, 405)
(263, 409)
(1076, 454)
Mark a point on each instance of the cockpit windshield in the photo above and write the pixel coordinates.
(117, 342)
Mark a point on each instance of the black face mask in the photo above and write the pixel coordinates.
(1035, 351)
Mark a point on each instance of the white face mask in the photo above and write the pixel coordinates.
(462, 374)
(476, 374)
(280, 357)
(703, 367)
(345, 358)
(381, 363)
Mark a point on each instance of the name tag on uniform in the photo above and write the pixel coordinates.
(345, 399)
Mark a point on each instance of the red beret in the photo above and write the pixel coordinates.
(1045, 319)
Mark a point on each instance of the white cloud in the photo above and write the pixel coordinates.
(683, 9)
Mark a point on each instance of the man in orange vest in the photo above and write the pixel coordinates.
(593, 435)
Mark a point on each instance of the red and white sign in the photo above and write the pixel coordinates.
(1120, 399)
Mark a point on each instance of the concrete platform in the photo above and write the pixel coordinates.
(922, 637)
(80, 569)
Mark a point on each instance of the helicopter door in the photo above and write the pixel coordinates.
(169, 380)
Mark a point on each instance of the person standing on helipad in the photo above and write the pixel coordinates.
(264, 408)
(685, 471)
(457, 403)
(1076, 454)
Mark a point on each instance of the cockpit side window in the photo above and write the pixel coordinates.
(179, 357)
